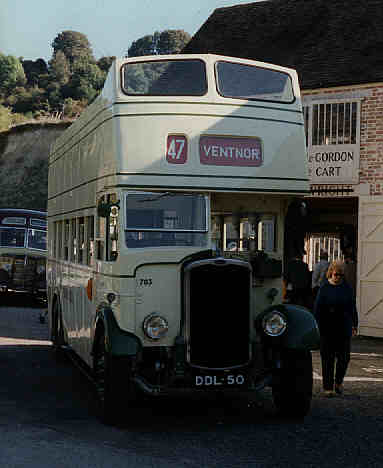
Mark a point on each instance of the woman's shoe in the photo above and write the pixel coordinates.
(339, 389)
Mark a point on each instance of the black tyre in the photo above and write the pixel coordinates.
(115, 393)
(292, 390)
(57, 333)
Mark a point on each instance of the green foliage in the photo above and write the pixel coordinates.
(11, 73)
(5, 118)
(170, 41)
(72, 108)
(105, 62)
(72, 78)
(90, 72)
(146, 45)
(33, 70)
(30, 100)
(85, 82)
(17, 119)
(74, 46)
(59, 68)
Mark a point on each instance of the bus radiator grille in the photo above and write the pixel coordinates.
(219, 315)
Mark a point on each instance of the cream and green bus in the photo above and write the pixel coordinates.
(23, 252)
(166, 233)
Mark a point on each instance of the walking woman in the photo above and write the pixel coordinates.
(335, 312)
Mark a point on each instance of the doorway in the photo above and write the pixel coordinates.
(332, 227)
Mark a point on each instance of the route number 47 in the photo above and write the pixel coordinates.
(177, 149)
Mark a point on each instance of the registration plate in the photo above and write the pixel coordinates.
(217, 380)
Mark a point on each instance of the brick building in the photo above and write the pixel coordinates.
(336, 49)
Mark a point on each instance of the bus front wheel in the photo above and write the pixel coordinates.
(293, 393)
(57, 337)
(114, 392)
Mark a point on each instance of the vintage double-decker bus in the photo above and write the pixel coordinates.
(166, 213)
(23, 251)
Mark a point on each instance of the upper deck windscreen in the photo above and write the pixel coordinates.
(241, 81)
(164, 78)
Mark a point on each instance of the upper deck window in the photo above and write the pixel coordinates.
(14, 220)
(164, 78)
(36, 222)
(165, 219)
(240, 81)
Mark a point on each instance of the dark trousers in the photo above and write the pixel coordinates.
(299, 296)
(335, 354)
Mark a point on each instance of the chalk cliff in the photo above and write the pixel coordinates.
(24, 152)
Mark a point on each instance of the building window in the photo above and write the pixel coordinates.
(332, 123)
(333, 140)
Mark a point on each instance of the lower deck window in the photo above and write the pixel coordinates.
(37, 239)
(12, 237)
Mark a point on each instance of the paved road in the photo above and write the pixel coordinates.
(47, 417)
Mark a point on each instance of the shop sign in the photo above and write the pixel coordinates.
(335, 164)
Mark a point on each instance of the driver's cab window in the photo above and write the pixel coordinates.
(100, 233)
(246, 235)
(112, 242)
(107, 230)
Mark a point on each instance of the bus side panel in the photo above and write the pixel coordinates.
(82, 313)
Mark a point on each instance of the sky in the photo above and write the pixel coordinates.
(28, 27)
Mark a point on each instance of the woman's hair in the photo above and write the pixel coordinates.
(337, 265)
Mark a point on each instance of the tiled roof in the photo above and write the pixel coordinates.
(329, 42)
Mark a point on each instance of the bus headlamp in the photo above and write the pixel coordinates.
(274, 323)
(155, 326)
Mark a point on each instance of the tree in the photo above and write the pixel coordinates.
(29, 100)
(105, 62)
(86, 80)
(146, 45)
(33, 70)
(55, 97)
(72, 109)
(74, 45)
(11, 73)
(60, 68)
(170, 41)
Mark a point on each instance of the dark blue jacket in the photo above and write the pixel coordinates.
(335, 310)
